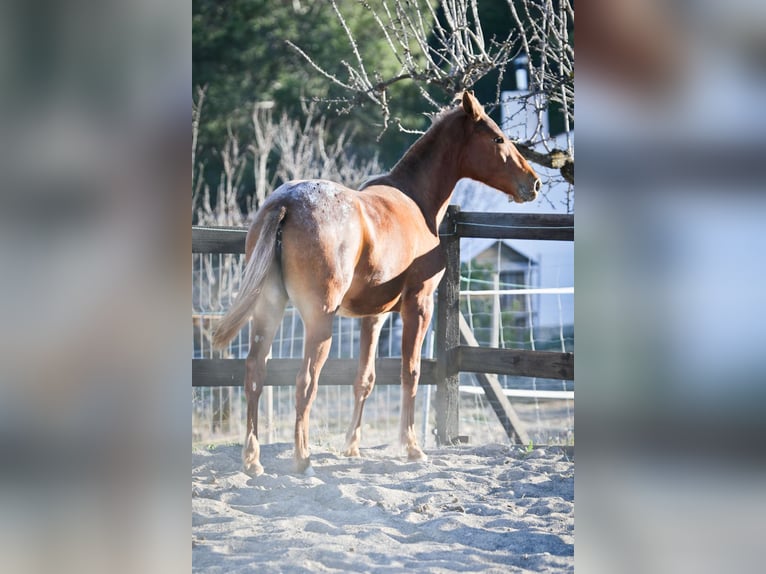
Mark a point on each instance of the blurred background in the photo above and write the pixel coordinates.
(94, 251)
(670, 279)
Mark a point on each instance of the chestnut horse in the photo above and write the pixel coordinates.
(332, 250)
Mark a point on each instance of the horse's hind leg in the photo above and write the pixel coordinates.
(267, 316)
(365, 378)
(317, 348)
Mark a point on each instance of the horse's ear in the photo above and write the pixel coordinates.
(472, 106)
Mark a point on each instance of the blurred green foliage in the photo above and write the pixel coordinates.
(241, 55)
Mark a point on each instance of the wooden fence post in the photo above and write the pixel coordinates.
(448, 335)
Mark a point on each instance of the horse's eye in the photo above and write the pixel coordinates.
(499, 139)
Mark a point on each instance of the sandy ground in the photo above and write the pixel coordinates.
(491, 508)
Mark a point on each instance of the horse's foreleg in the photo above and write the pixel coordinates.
(365, 378)
(266, 319)
(416, 314)
(317, 348)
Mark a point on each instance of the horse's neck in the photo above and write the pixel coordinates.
(428, 173)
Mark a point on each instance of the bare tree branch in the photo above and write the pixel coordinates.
(554, 159)
(452, 53)
(196, 114)
(265, 133)
(304, 150)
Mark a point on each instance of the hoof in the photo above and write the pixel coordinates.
(253, 468)
(251, 453)
(309, 471)
(415, 454)
(352, 452)
(303, 466)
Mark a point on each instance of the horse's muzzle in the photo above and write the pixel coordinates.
(528, 193)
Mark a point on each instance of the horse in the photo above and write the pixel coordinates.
(333, 251)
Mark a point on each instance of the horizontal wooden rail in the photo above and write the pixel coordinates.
(515, 362)
(549, 227)
(542, 364)
(282, 372)
(552, 227)
(218, 239)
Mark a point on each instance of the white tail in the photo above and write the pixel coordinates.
(256, 269)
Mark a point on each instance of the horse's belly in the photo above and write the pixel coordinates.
(354, 310)
(372, 299)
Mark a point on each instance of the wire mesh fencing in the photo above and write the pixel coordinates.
(495, 304)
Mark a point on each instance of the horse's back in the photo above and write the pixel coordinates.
(325, 209)
(345, 250)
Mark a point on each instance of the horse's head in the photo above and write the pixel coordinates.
(491, 158)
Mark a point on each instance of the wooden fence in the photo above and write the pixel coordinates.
(456, 348)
